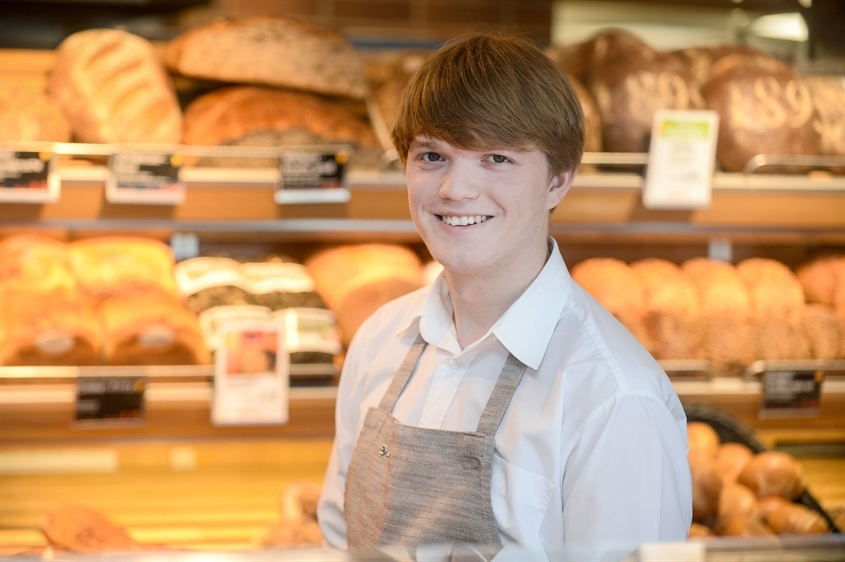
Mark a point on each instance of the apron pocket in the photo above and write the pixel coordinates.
(520, 500)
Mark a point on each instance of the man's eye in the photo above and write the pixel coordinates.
(431, 157)
(499, 159)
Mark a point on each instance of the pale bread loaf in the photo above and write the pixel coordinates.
(271, 51)
(113, 88)
(28, 114)
(231, 113)
(35, 264)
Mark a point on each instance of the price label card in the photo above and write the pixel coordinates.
(110, 401)
(791, 394)
(145, 178)
(313, 177)
(251, 374)
(28, 176)
(681, 159)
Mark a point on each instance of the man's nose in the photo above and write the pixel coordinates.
(459, 183)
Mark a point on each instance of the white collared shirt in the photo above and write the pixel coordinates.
(591, 450)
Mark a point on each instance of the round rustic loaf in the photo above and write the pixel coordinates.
(731, 458)
(796, 519)
(764, 107)
(112, 87)
(271, 51)
(773, 473)
(703, 439)
(699, 60)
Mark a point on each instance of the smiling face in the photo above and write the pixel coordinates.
(482, 209)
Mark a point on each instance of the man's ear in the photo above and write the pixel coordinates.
(559, 187)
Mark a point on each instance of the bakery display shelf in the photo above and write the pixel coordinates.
(153, 372)
(829, 368)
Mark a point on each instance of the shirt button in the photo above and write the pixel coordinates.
(383, 450)
(454, 363)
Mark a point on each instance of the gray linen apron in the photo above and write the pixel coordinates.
(411, 486)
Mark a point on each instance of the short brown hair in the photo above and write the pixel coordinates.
(488, 91)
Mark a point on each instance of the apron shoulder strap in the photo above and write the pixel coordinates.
(499, 400)
(397, 385)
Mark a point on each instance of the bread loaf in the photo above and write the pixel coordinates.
(726, 314)
(731, 458)
(28, 114)
(49, 329)
(114, 264)
(777, 304)
(231, 113)
(673, 316)
(113, 88)
(828, 93)
(797, 519)
(355, 280)
(699, 60)
(773, 473)
(270, 51)
(34, 264)
(592, 118)
(389, 91)
(615, 285)
(150, 328)
(736, 499)
(580, 60)
(706, 487)
(825, 332)
(764, 108)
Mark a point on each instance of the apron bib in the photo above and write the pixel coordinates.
(412, 486)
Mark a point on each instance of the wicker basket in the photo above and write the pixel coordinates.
(731, 430)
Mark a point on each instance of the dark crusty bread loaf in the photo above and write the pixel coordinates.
(112, 87)
(231, 113)
(28, 114)
(764, 108)
(592, 118)
(580, 60)
(271, 51)
(699, 60)
(673, 314)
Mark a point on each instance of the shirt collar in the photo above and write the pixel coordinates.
(525, 329)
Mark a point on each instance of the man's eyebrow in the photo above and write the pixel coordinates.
(425, 143)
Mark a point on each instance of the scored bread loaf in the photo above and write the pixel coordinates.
(34, 264)
(777, 304)
(672, 312)
(231, 113)
(28, 114)
(114, 264)
(764, 108)
(112, 87)
(614, 284)
(150, 328)
(355, 280)
(49, 329)
(271, 51)
(726, 314)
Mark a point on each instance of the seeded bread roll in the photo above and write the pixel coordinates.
(231, 113)
(114, 264)
(726, 314)
(673, 316)
(615, 285)
(764, 108)
(49, 329)
(112, 87)
(777, 304)
(150, 328)
(270, 51)
(28, 114)
(828, 93)
(35, 264)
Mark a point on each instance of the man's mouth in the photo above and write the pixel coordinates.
(463, 220)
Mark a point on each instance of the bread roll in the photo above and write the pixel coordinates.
(823, 281)
(49, 329)
(773, 473)
(828, 93)
(150, 328)
(270, 51)
(736, 499)
(355, 280)
(740, 525)
(28, 114)
(699, 531)
(114, 264)
(231, 113)
(763, 108)
(770, 504)
(615, 285)
(112, 87)
(797, 519)
(777, 305)
(702, 439)
(673, 316)
(35, 264)
(706, 486)
(731, 458)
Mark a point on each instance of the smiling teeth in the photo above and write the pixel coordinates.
(464, 221)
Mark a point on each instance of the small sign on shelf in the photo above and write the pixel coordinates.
(313, 177)
(110, 401)
(791, 394)
(28, 176)
(145, 178)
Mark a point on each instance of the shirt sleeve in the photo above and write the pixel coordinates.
(627, 478)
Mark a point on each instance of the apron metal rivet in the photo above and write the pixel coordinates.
(383, 451)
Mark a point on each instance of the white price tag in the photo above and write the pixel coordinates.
(145, 178)
(28, 176)
(681, 159)
(251, 374)
(313, 177)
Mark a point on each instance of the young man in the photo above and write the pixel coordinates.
(503, 404)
